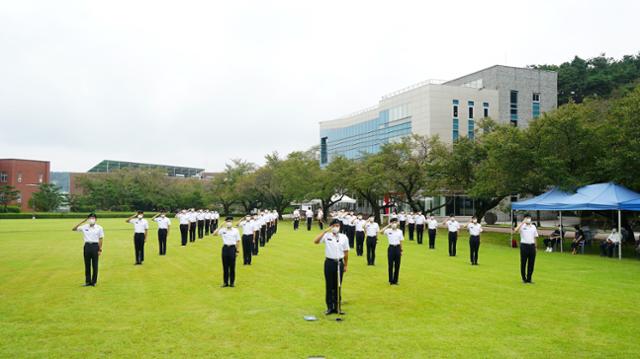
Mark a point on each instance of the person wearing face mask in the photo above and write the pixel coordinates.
(371, 229)
(402, 220)
(335, 264)
(359, 229)
(164, 223)
(432, 226)
(554, 238)
(528, 234)
(93, 234)
(411, 222)
(474, 229)
(320, 218)
(608, 246)
(214, 221)
(394, 252)
(248, 238)
(296, 219)
(193, 223)
(207, 222)
(140, 229)
(453, 226)
(183, 218)
(256, 235)
(230, 242)
(200, 219)
(420, 219)
(351, 229)
(309, 215)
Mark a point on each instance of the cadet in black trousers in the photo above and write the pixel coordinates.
(248, 238)
(359, 230)
(475, 229)
(453, 226)
(183, 218)
(432, 225)
(411, 223)
(230, 242)
(335, 264)
(193, 223)
(371, 230)
(92, 234)
(140, 229)
(528, 234)
(394, 252)
(164, 223)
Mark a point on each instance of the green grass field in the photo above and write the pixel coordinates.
(173, 306)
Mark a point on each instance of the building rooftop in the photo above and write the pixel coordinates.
(174, 171)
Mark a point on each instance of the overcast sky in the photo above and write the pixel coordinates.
(196, 83)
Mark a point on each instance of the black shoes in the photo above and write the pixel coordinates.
(329, 311)
(224, 285)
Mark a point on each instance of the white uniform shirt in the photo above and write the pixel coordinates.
(394, 236)
(614, 237)
(411, 219)
(256, 225)
(528, 234)
(372, 229)
(248, 227)
(296, 214)
(139, 225)
(474, 229)
(207, 215)
(193, 217)
(230, 236)
(163, 222)
(320, 214)
(200, 216)
(420, 219)
(453, 226)
(215, 215)
(335, 245)
(183, 217)
(309, 213)
(402, 217)
(91, 234)
(360, 225)
(432, 223)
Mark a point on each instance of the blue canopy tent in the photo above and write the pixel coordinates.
(598, 197)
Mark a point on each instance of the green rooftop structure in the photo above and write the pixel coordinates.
(107, 166)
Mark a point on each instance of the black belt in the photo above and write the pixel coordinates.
(394, 245)
(334, 260)
(229, 245)
(91, 243)
(527, 244)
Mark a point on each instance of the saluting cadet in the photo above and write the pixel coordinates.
(394, 252)
(200, 219)
(207, 222)
(453, 226)
(371, 228)
(432, 224)
(93, 234)
(230, 241)
(351, 229)
(256, 234)
(214, 221)
(359, 228)
(420, 219)
(393, 215)
(402, 220)
(140, 228)
(320, 218)
(411, 222)
(248, 237)
(276, 216)
(475, 229)
(309, 216)
(263, 229)
(296, 219)
(193, 223)
(183, 217)
(335, 264)
(528, 234)
(164, 223)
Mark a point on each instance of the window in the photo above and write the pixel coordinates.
(471, 132)
(323, 150)
(19, 177)
(485, 109)
(513, 108)
(40, 178)
(455, 129)
(470, 104)
(19, 198)
(536, 97)
(4, 177)
(455, 108)
(535, 106)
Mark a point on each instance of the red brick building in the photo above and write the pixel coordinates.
(25, 176)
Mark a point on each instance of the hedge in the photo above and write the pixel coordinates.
(53, 215)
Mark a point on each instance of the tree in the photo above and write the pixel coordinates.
(222, 189)
(368, 181)
(48, 198)
(8, 194)
(330, 183)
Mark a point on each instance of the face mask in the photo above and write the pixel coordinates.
(162, 215)
(394, 226)
(359, 217)
(229, 224)
(474, 221)
(92, 221)
(247, 219)
(370, 219)
(335, 230)
(432, 218)
(528, 220)
(453, 219)
(139, 216)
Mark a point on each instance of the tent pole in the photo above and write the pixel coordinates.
(561, 232)
(511, 227)
(620, 234)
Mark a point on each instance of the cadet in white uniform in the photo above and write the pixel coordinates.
(371, 229)
(200, 218)
(432, 225)
(183, 218)
(359, 229)
(453, 226)
(475, 229)
(248, 238)
(320, 218)
(402, 220)
(394, 252)
(93, 234)
(420, 219)
(214, 221)
(193, 223)
(140, 229)
(411, 222)
(296, 219)
(309, 215)
(207, 222)
(230, 241)
(528, 234)
(164, 223)
(335, 264)
(256, 234)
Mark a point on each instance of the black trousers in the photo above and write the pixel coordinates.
(351, 234)
(184, 230)
(320, 224)
(207, 225)
(403, 225)
(474, 246)
(214, 225)
(254, 244)
(296, 224)
(309, 220)
(432, 238)
(247, 248)
(331, 282)
(201, 228)
(371, 249)
(359, 243)
(162, 241)
(229, 264)
(91, 256)
(453, 243)
(527, 260)
(192, 231)
(419, 232)
(393, 255)
(138, 244)
(263, 235)
(412, 227)
(275, 226)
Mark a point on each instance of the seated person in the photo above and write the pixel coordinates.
(554, 238)
(578, 240)
(609, 245)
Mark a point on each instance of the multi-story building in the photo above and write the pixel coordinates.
(107, 166)
(25, 176)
